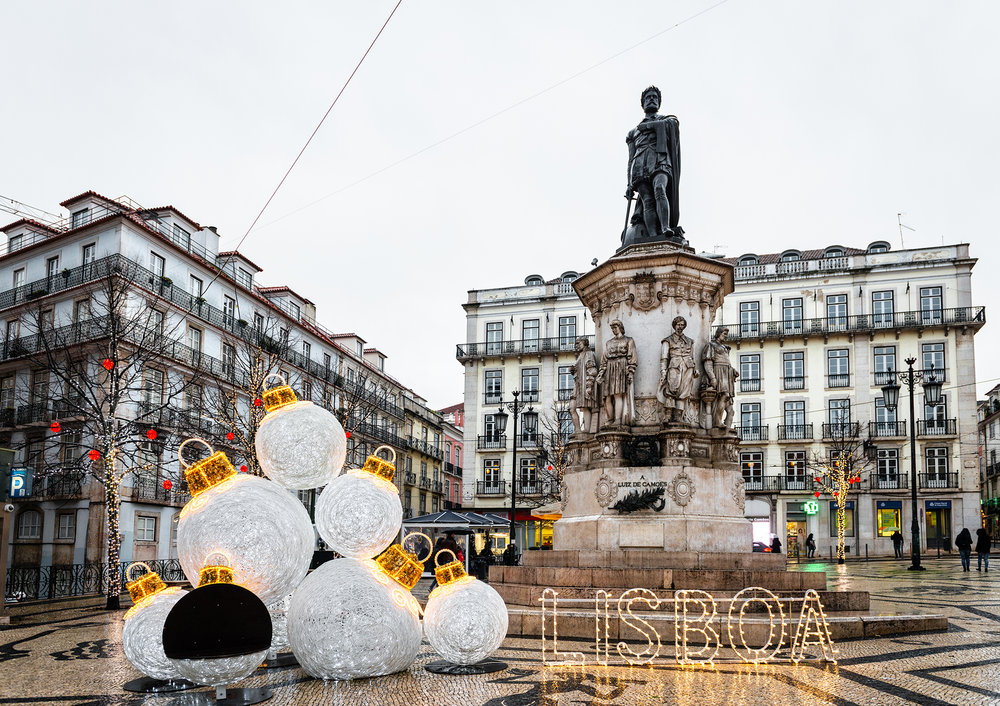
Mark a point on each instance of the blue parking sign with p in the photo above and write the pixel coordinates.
(20, 482)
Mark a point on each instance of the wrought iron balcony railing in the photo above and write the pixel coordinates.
(937, 480)
(841, 430)
(492, 442)
(937, 427)
(750, 384)
(527, 346)
(889, 481)
(490, 488)
(751, 434)
(793, 382)
(795, 432)
(884, 429)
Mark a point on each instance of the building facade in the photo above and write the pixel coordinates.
(213, 305)
(989, 463)
(814, 336)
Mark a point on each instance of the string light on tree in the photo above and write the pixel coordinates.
(299, 445)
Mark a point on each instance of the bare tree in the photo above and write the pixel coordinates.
(556, 428)
(839, 473)
(114, 368)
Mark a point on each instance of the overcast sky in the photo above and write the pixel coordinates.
(803, 124)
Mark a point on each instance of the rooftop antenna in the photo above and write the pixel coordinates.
(899, 220)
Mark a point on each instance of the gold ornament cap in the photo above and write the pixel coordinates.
(208, 472)
(401, 565)
(278, 397)
(449, 573)
(216, 570)
(378, 466)
(146, 585)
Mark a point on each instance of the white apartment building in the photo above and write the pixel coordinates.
(209, 300)
(989, 461)
(814, 335)
(517, 338)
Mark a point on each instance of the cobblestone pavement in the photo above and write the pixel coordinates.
(74, 656)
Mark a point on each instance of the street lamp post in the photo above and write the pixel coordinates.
(932, 397)
(500, 417)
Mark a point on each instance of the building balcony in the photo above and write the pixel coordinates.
(491, 488)
(886, 429)
(841, 430)
(793, 382)
(437, 486)
(451, 468)
(68, 486)
(425, 482)
(795, 432)
(492, 398)
(937, 480)
(937, 427)
(151, 490)
(564, 394)
(528, 346)
(529, 441)
(992, 469)
(752, 434)
(961, 316)
(450, 505)
(411, 478)
(35, 413)
(529, 395)
(750, 384)
(778, 484)
(838, 380)
(892, 481)
(492, 442)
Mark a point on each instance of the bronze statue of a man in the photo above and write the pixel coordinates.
(721, 378)
(615, 375)
(654, 169)
(584, 399)
(677, 373)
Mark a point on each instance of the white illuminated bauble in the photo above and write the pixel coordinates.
(358, 514)
(349, 620)
(142, 634)
(219, 671)
(263, 529)
(465, 621)
(301, 446)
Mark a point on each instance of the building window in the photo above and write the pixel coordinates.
(194, 343)
(848, 520)
(752, 465)
(528, 476)
(66, 526)
(529, 384)
(885, 365)
(834, 252)
(307, 350)
(838, 371)
(747, 260)
(888, 520)
(157, 264)
(494, 386)
(930, 304)
(228, 359)
(197, 287)
(228, 311)
(19, 277)
(491, 471)
(359, 347)
(565, 376)
(494, 337)
(790, 256)
(258, 322)
(529, 335)
(145, 528)
(29, 525)
(936, 461)
(885, 418)
(182, 237)
(89, 253)
(793, 363)
(887, 468)
(15, 242)
(193, 397)
(81, 310)
(791, 315)
(52, 267)
(749, 318)
(795, 470)
(307, 391)
(933, 358)
(882, 308)
(836, 312)
(39, 387)
(795, 419)
(327, 362)
(840, 415)
(153, 387)
(79, 218)
(567, 332)
(244, 278)
(565, 420)
(529, 428)
(750, 372)
(750, 416)
(7, 392)
(296, 313)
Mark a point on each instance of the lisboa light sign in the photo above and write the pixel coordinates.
(700, 630)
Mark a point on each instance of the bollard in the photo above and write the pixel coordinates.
(831, 552)
(866, 551)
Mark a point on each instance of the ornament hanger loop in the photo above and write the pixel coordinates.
(218, 559)
(430, 545)
(128, 571)
(392, 458)
(454, 557)
(184, 443)
(275, 375)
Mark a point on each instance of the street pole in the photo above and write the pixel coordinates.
(513, 477)
(915, 524)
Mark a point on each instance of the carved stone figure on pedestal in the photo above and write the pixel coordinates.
(585, 386)
(678, 372)
(615, 376)
(720, 377)
(654, 170)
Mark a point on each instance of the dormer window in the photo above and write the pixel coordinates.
(534, 280)
(569, 276)
(748, 260)
(791, 256)
(79, 218)
(244, 278)
(879, 246)
(833, 252)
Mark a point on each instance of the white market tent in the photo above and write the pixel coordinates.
(448, 520)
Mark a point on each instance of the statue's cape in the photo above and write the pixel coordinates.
(668, 140)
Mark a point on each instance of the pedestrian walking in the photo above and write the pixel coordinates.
(810, 546)
(964, 544)
(776, 546)
(983, 541)
(897, 544)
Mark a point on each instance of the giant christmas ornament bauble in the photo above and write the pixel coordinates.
(298, 444)
(348, 620)
(263, 528)
(358, 514)
(279, 623)
(465, 620)
(142, 634)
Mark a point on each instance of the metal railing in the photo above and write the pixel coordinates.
(937, 427)
(489, 442)
(425, 482)
(793, 382)
(564, 393)
(776, 484)
(61, 486)
(750, 384)
(752, 433)
(152, 490)
(883, 429)
(63, 581)
(841, 430)
(838, 380)
(959, 316)
(892, 481)
(937, 480)
(795, 432)
(491, 488)
(529, 441)
(411, 478)
(486, 349)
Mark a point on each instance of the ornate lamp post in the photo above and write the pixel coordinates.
(501, 421)
(932, 397)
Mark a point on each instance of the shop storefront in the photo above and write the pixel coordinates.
(850, 527)
(938, 519)
(888, 517)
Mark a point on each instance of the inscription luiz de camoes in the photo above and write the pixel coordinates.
(696, 639)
